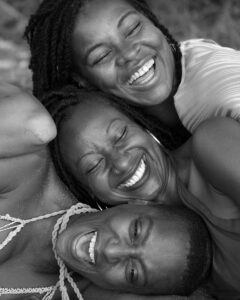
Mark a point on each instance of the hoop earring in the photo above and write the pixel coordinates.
(101, 206)
(155, 138)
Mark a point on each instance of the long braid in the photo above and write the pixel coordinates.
(49, 34)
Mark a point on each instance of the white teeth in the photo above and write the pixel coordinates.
(92, 247)
(143, 70)
(137, 176)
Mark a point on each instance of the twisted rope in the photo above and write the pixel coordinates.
(61, 224)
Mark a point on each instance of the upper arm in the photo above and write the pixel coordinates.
(216, 153)
(25, 125)
(96, 293)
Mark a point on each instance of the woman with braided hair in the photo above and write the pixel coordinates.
(119, 46)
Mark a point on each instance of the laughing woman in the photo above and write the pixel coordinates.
(119, 46)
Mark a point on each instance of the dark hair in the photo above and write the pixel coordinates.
(199, 258)
(57, 102)
(49, 35)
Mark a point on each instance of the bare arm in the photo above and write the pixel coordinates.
(216, 152)
(25, 124)
(92, 292)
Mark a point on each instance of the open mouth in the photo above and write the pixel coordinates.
(144, 74)
(84, 247)
(136, 176)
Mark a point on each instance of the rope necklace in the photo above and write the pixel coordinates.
(17, 224)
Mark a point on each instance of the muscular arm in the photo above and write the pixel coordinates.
(216, 153)
(25, 125)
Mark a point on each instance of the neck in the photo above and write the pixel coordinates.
(181, 159)
(166, 112)
(55, 195)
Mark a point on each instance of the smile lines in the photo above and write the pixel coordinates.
(137, 176)
(142, 71)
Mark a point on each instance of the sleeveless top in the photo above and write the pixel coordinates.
(16, 225)
(210, 84)
(224, 280)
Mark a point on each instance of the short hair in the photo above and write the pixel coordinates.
(49, 35)
(199, 257)
(57, 103)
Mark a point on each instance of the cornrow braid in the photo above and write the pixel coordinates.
(59, 101)
(49, 35)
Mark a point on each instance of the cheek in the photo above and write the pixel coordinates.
(103, 76)
(98, 184)
(113, 279)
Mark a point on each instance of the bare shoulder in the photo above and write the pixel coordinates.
(215, 152)
(216, 136)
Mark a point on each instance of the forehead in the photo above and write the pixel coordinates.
(92, 115)
(98, 8)
(97, 15)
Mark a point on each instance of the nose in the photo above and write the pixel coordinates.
(127, 54)
(120, 161)
(116, 251)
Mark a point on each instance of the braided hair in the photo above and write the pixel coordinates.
(49, 35)
(58, 103)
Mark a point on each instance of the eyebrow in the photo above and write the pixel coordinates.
(123, 17)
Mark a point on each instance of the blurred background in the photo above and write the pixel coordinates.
(215, 19)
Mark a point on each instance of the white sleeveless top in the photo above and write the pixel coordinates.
(210, 84)
(15, 225)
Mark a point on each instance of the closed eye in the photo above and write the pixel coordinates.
(94, 167)
(101, 58)
(134, 29)
(135, 230)
(131, 272)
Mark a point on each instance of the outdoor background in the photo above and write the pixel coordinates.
(215, 19)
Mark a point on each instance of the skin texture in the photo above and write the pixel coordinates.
(138, 248)
(113, 157)
(112, 41)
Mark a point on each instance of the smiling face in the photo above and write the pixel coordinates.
(114, 158)
(135, 248)
(120, 51)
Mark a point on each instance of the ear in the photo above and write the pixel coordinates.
(81, 82)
